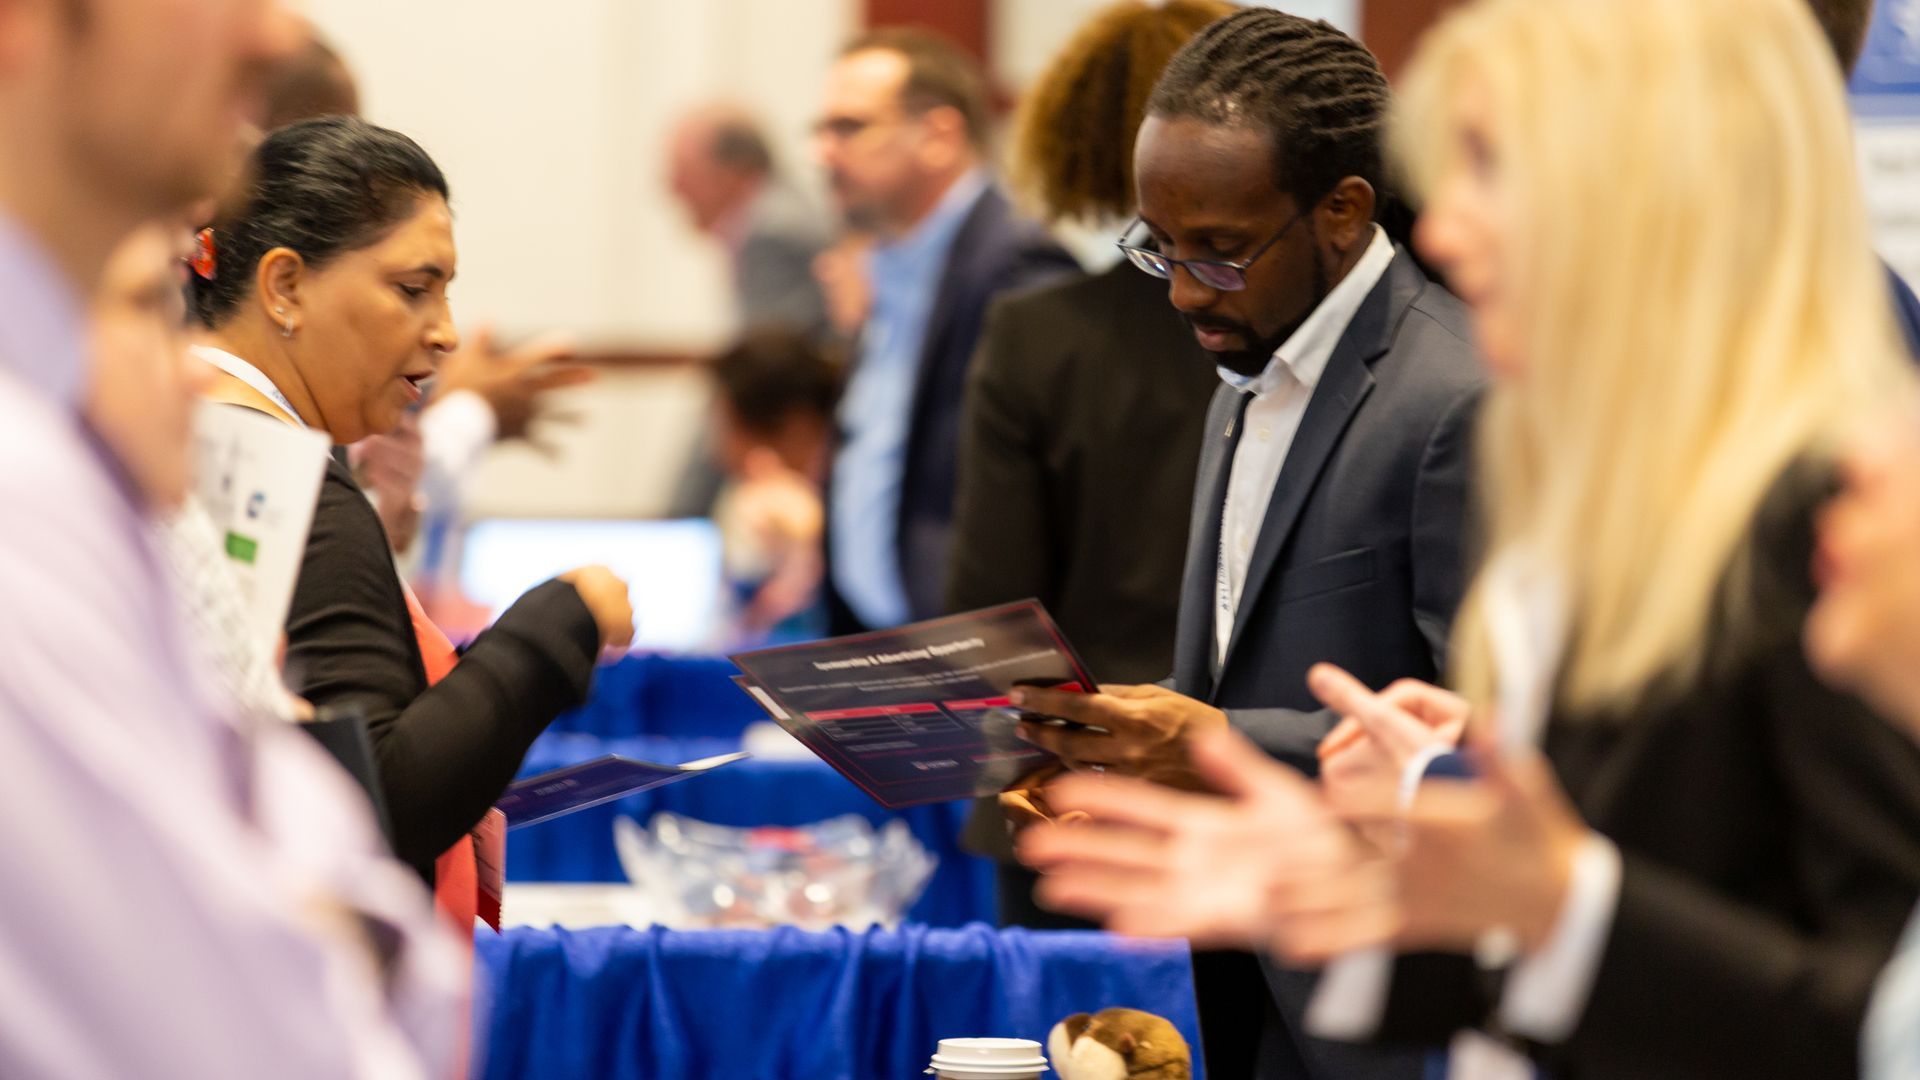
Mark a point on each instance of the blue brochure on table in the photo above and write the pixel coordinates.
(920, 713)
(590, 783)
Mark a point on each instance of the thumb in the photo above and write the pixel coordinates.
(1395, 729)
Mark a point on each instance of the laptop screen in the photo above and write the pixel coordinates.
(673, 569)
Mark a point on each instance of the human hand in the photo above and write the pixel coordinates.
(1268, 866)
(1025, 801)
(606, 597)
(841, 273)
(389, 467)
(1145, 729)
(1864, 630)
(1492, 854)
(1363, 759)
(511, 381)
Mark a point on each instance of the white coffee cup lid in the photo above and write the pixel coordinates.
(989, 1051)
(986, 1059)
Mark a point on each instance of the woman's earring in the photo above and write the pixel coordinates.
(286, 328)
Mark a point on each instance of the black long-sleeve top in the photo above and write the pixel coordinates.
(443, 754)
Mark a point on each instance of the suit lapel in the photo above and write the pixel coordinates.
(1344, 384)
(1194, 649)
(981, 218)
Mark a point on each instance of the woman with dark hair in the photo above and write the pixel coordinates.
(322, 285)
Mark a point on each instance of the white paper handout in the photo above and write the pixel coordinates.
(259, 480)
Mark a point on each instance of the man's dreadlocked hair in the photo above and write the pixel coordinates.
(1320, 95)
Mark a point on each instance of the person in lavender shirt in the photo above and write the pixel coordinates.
(164, 911)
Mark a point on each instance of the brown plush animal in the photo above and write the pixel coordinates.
(1119, 1044)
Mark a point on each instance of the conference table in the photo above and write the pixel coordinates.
(621, 1004)
(677, 709)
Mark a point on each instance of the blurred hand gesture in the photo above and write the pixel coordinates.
(1364, 758)
(389, 468)
(512, 381)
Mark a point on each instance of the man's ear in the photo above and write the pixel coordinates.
(278, 279)
(947, 138)
(1346, 215)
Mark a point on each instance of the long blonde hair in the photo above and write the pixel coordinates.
(1701, 302)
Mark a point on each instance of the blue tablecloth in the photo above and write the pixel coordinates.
(664, 695)
(749, 793)
(620, 1004)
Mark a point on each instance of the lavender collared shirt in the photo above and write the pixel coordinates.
(183, 894)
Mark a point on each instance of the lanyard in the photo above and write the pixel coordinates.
(248, 374)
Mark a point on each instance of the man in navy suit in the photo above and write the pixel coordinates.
(1330, 506)
(902, 138)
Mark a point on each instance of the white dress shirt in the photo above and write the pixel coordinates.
(1280, 396)
(454, 431)
(1545, 991)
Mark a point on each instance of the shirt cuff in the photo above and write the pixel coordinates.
(1416, 770)
(1546, 993)
(454, 430)
(1351, 996)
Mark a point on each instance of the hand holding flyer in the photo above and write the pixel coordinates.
(920, 713)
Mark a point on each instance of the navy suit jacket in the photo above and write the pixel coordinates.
(1906, 311)
(1360, 560)
(994, 251)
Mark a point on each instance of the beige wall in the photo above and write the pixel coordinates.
(549, 117)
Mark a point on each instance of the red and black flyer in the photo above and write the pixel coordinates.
(919, 714)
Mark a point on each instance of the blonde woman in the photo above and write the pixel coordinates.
(1651, 210)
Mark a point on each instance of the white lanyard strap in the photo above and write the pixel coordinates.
(250, 375)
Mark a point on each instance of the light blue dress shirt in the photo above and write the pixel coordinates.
(876, 414)
(176, 898)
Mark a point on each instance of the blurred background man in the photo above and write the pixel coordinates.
(903, 137)
(722, 171)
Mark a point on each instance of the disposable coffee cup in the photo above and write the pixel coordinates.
(988, 1059)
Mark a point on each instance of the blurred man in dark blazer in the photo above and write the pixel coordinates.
(902, 136)
(1330, 505)
(1084, 406)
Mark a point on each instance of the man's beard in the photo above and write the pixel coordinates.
(1253, 359)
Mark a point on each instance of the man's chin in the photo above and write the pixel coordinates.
(1242, 361)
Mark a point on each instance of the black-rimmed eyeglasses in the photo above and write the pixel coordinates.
(1222, 274)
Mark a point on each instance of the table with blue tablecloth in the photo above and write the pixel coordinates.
(670, 696)
(749, 793)
(623, 1004)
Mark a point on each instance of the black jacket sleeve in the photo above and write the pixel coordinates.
(1002, 535)
(446, 753)
(1747, 938)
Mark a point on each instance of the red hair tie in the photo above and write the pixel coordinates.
(203, 261)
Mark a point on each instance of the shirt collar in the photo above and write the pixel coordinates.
(923, 245)
(42, 328)
(1305, 353)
